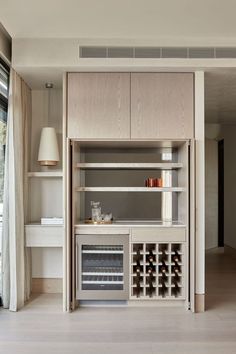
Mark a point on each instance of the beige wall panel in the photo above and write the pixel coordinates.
(46, 285)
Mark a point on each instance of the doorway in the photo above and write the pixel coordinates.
(221, 193)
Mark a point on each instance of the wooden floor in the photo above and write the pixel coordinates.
(41, 327)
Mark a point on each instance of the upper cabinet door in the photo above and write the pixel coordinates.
(162, 106)
(99, 105)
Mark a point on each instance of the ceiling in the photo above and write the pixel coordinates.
(191, 19)
(182, 22)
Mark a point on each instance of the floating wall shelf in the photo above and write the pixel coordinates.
(38, 235)
(130, 189)
(130, 166)
(53, 174)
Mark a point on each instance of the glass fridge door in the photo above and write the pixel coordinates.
(102, 267)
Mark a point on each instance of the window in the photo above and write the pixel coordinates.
(4, 85)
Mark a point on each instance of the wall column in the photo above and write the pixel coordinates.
(200, 192)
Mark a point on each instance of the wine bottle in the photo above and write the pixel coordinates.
(137, 268)
(162, 282)
(163, 268)
(150, 259)
(151, 269)
(150, 281)
(150, 253)
(176, 259)
(175, 283)
(176, 270)
(138, 291)
(137, 282)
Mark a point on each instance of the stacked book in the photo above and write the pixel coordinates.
(51, 221)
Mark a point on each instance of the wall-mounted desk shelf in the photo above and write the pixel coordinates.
(38, 235)
(129, 166)
(130, 189)
(52, 174)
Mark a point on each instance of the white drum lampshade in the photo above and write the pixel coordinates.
(48, 148)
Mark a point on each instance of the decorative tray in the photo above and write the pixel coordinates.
(90, 221)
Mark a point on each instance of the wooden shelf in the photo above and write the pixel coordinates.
(52, 174)
(38, 235)
(130, 189)
(130, 166)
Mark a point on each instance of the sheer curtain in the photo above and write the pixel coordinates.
(15, 257)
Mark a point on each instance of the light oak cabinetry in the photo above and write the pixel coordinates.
(126, 106)
(161, 105)
(99, 105)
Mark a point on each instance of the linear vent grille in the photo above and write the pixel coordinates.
(93, 52)
(158, 52)
(226, 52)
(120, 52)
(174, 53)
(147, 52)
(201, 53)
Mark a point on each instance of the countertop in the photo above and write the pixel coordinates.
(134, 223)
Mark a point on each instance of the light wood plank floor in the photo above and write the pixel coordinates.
(41, 327)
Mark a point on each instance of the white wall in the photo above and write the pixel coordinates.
(229, 134)
(47, 262)
(211, 192)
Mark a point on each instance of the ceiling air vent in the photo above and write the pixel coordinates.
(226, 53)
(157, 52)
(120, 52)
(147, 52)
(174, 53)
(93, 52)
(201, 53)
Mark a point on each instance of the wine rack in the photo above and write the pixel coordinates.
(157, 271)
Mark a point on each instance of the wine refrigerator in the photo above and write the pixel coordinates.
(102, 267)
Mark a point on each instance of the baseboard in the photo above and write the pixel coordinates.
(46, 285)
(199, 303)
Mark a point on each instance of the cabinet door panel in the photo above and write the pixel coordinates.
(162, 106)
(99, 105)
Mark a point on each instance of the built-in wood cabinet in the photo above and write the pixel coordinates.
(134, 106)
(161, 105)
(99, 105)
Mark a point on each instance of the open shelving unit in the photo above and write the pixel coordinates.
(115, 175)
